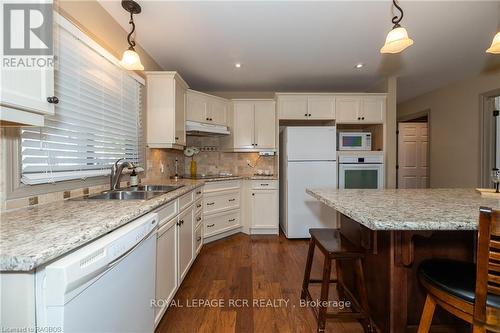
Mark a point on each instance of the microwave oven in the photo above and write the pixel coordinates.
(355, 141)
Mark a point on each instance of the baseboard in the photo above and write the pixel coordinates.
(264, 231)
(221, 235)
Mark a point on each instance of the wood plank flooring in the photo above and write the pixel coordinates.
(267, 269)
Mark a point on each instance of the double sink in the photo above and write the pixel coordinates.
(143, 192)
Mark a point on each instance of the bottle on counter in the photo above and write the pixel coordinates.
(134, 181)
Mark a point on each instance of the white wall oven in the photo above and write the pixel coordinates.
(361, 171)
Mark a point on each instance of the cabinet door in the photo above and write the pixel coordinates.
(321, 107)
(180, 114)
(265, 209)
(217, 112)
(265, 125)
(198, 239)
(196, 108)
(373, 109)
(243, 127)
(185, 226)
(292, 107)
(347, 109)
(166, 265)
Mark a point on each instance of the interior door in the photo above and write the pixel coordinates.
(265, 125)
(321, 107)
(243, 125)
(413, 153)
(186, 221)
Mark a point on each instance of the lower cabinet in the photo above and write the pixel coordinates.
(221, 222)
(166, 267)
(185, 227)
(264, 207)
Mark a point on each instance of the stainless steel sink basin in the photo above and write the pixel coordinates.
(154, 188)
(125, 195)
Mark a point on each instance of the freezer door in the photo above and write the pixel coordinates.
(303, 211)
(312, 143)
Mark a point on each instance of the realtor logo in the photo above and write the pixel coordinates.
(27, 29)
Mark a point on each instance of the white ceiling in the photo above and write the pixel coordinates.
(313, 46)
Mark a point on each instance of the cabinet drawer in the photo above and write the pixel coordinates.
(221, 186)
(264, 184)
(166, 212)
(198, 218)
(198, 193)
(221, 222)
(215, 203)
(186, 200)
(198, 238)
(198, 205)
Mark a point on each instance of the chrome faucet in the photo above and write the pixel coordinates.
(116, 173)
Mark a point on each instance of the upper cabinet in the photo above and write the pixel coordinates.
(206, 108)
(166, 110)
(27, 95)
(253, 126)
(360, 109)
(306, 107)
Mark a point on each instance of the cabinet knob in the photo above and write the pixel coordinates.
(253, 194)
(309, 115)
(359, 118)
(198, 205)
(305, 114)
(181, 221)
(362, 118)
(207, 118)
(198, 219)
(198, 239)
(53, 100)
(176, 138)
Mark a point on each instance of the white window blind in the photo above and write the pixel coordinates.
(97, 120)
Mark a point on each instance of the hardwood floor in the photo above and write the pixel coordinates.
(267, 269)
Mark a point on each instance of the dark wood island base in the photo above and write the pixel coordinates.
(395, 296)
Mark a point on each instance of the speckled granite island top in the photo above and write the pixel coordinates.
(34, 236)
(408, 209)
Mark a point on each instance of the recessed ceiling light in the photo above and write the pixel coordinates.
(360, 65)
(237, 65)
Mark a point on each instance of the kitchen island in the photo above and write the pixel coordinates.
(399, 228)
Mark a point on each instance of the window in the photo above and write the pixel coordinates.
(97, 120)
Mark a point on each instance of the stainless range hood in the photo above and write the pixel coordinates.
(194, 128)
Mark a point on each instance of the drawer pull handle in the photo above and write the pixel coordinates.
(264, 184)
(198, 239)
(210, 225)
(231, 200)
(210, 203)
(198, 219)
(231, 220)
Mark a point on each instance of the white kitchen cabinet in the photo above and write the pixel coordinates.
(253, 125)
(206, 108)
(264, 207)
(321, 107)
(292, 107)
(358, 109)
(166, 266)
(306, 106)
(166, 110)
(186, 231)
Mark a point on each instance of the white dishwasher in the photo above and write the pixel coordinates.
(106, 286)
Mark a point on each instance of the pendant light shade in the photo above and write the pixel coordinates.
(397, 40)
(130, 59)
(495, 45)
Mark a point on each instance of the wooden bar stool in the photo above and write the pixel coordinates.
(336, 248)
(467, 290)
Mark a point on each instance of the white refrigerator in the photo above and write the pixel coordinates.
(308, 160)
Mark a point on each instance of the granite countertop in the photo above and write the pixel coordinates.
(408, 209)
(30, 237)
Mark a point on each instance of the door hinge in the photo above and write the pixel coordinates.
(496, 113)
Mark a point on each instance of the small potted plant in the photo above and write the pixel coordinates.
(191, 152)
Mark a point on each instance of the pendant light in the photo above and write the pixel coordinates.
(397, 39)
(130, 59)
(495, 45)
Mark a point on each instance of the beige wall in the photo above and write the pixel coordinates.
(454, 129)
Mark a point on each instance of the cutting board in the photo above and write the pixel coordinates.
(488, 192)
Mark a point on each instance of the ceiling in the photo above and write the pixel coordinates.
(313, 46)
